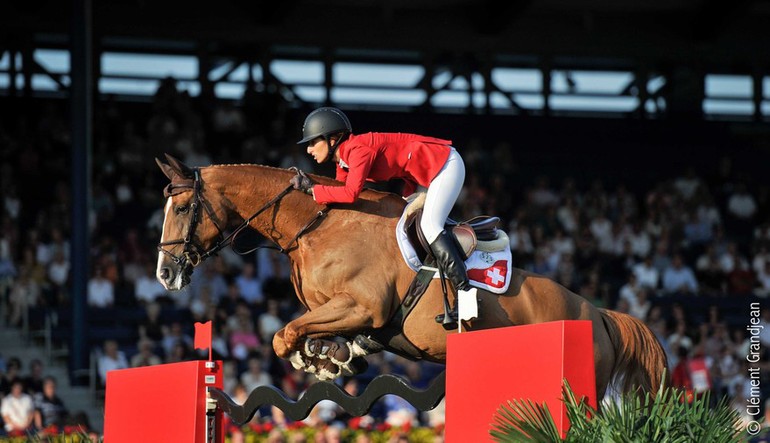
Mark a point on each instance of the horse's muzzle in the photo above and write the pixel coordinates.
(174, 280)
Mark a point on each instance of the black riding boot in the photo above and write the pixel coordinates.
(450, 260)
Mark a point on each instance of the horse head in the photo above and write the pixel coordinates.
(190, 230)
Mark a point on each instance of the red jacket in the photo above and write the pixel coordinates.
(383, 156)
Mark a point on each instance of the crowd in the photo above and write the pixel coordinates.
(672, 254)
(30, 401)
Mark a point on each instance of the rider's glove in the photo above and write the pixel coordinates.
(302, 182)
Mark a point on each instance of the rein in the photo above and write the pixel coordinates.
(193, 253)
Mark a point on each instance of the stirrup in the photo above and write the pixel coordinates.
(448, 320)
(450, 316)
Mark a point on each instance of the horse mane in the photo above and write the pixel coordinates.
(368, 196)
(318, 178)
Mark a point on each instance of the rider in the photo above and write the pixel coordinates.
(428, 162)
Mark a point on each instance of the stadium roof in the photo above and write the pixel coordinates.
(725, 36)
(666, 53)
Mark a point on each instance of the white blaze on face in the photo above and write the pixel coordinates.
(162, 239)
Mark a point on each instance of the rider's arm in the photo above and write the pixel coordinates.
(360, 162)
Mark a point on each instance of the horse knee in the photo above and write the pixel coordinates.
(280, 347)
(293, 336)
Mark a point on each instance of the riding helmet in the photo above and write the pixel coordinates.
(324, 122)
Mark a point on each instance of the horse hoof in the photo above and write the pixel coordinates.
(296, 360)
(358, 365)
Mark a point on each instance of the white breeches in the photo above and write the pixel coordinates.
(441, 196)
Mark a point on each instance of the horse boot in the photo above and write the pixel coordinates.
(451, 263)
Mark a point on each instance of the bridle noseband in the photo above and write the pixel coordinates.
(193, 253)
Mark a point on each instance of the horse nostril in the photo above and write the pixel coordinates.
(165, 273)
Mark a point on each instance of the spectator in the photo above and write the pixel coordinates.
(641, 306)
(7, 265)
(174, 335)
(679, 339)
(661, 260)
(732, 258)
(707, 211)
(101, 293)
(12, 374)
(761, 258)
(17, 410)
(567, 273)
(622, 204)
(761, 238)
(697, 231)
(741, 280)
(646, 274)
(542, 195)
(399, 412)
(630, 290)
(249, 286)
(49, 408)
(602, 230)
(255, 376)
(688, 184)
(243, 338)
(147, 288)
(179, 352)
(25, 293)
(270, 322)
(521, 242)
(741, 204)
(273, 270)
(34, 381)
(230, 303)
(741, 211)
(202, 308)
(146, 356)
(641, 244)
(151, 327)
(709, 273)
(542, 266)
(568, 215)
(763, 282)
(679, 278)
(59, 270)
(208, 277)
(112, 358)
(680, 375)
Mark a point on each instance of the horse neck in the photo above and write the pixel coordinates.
(247, 188)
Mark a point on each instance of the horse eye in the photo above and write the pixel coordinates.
(182, 209)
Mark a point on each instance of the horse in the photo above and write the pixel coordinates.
(346, 269)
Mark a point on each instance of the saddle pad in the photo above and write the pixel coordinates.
(486, 270)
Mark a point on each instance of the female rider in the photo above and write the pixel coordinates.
(422, 161)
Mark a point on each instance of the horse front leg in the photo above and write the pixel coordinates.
(300, 340)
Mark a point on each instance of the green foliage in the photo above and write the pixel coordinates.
(72, 437)
(663, 417)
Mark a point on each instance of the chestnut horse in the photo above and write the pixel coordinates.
(348, 271)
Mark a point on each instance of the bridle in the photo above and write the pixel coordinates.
(193, 253)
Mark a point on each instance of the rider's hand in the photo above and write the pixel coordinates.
(302, 182)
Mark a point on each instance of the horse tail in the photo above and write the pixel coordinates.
(640, 361)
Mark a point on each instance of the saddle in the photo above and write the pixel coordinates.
(467, 234)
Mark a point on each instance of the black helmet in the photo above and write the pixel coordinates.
(324, 122)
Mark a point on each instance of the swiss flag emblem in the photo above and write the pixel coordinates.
(493, 276)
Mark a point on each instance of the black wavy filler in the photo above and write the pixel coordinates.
(423, 400)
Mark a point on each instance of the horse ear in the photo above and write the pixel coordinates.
(180, 168)
(167, 170)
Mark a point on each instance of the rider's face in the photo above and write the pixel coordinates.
(319, 149)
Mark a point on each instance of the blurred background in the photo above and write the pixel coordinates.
(623, 144)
